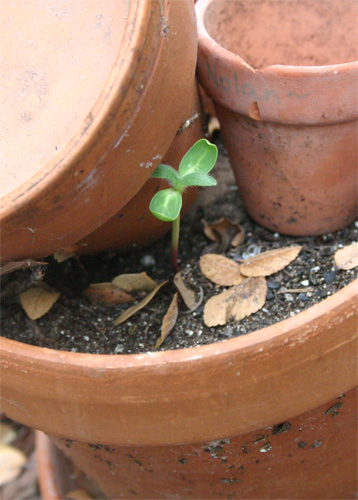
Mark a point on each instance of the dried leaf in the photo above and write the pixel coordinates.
(169, 320)
(134, 282)
(239, 237)
(347, 257)
(62, 256)
(7, 433)
(223, 231)
(137, 307)
(187, 294)
(38, 301)
(78, 494)
(269, 262)
(23, 264)
(107, 294)
(220, 269)
(236, 303)
(213, 125)
(12, 462)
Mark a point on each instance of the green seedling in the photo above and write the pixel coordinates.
(193, 171)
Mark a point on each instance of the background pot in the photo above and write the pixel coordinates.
(134, 225)
(142, 426)
(284, 77)
(88, 112)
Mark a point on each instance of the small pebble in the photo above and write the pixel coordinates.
(288, 297)
(274, 285)
(305, 283)
(303, 297)
(251, 251)
(329, 277)
(148, 261)
(270, 295)
(228, 331)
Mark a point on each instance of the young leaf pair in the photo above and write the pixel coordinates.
(193, 171)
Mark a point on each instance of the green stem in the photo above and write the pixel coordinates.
(175, 242)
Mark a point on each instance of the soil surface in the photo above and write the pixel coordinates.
(74, 324)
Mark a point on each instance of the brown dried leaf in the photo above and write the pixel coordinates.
(236, 303)
(187, 294)
(239, 237)
(78, 494)
(23, 264)
(223, 231)
(220, 269)
(62, 256)
(12, 462)
(38, 301)
(169, 320)
(269, 262)
(134, 282)
(347, 257)
(137, 307)
(107, 294)
(7, 433)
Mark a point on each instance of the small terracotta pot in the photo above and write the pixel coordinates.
(88, 112)
(134, 225)
(283, 76)
(198, 423)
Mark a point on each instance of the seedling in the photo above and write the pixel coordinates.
(193, 171)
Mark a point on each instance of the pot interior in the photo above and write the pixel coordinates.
(57, 58)
(295, 33)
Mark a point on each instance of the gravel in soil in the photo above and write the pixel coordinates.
(73, 324)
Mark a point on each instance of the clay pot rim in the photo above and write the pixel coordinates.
(95, 119)
(218, 50)
(287, 329)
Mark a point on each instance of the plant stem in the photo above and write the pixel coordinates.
(175, 242)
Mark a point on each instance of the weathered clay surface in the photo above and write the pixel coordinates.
(287, 104)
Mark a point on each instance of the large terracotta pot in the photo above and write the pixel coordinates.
(87, 112)
(284, 76)
(198, 423)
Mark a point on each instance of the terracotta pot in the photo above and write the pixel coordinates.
(134, 225)
(88, 112)
(197, 423)
(284, 78)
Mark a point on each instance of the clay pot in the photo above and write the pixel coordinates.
(283, 76)
(134, 225)
(88, 112)
(268, 415)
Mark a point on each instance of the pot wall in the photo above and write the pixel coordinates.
(287, 104)
(310, 456)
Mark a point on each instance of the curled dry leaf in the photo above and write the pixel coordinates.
(269, 262)
(37, 301)
(107, 294)
(23, 264)
(220, 269)
(187, 294)
(7, 433)
(224, 231)
(78, 494)
(134, 282)
(347, 257)
(236, 303)
(169, 320)
(12, 462)
(137, 307)
(62, 256)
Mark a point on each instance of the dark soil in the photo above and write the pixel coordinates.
(73, 324)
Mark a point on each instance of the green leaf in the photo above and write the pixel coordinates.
(166, 205)
(200, 158)
(198, 180)
(166, 172)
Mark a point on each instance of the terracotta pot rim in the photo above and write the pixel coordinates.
(95, 120)
(279, 80)
(281, 330)
(218, 51)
